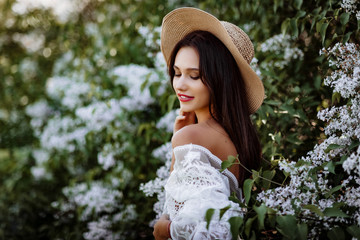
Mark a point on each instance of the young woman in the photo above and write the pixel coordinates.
(208, 63)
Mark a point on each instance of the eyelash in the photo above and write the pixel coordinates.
(194, 78)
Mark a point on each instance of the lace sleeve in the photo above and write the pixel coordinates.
(193, 187)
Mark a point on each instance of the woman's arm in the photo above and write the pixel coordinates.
(162, 228)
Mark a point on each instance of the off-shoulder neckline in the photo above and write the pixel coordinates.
(210, 154)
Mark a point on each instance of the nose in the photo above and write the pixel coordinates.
(179, 83)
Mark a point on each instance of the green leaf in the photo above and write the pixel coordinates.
(298, 3)
(354, 231)
(171, 100)
(271, 213)
(346, 37)
(334, 212)
(228, 163)
(208, 216)
(344, 18)
(342, 159)
(268, 175)
(284, 26)
(286, 226)
(317, 82)
(318, 25)
(332, 147)
(143, 85)
(336, 234)
(334, 189)
(323, 31)
(235, 199)
(248, 183)
(293, 27)
(273, 102)
(354, 145)
(331, 167)
(235, 224)
(300, 14)
(335, 98)
(261, 211)
(248, 225)
(154, 89)
(223, 210)
(314, 209)
(302, 231)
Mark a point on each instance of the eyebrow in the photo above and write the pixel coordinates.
(191, 69)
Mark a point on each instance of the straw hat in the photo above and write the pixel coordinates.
(182, 21)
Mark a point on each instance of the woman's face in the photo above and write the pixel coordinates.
(193, 95)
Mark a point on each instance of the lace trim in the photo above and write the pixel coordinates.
(212, 157)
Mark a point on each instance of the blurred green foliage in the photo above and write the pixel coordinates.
(286, 122)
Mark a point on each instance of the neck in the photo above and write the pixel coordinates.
(203, 116)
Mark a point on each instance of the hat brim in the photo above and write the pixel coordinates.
(182, 21)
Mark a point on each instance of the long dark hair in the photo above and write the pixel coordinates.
(228, 103)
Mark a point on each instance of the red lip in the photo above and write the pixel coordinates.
(185, 98)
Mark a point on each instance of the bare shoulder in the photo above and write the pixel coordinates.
(189, 134)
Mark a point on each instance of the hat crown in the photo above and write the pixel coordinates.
(241, 40)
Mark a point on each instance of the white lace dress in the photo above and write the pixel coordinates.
(194, 186)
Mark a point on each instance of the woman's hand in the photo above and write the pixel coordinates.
(184, 119)
(161, 231)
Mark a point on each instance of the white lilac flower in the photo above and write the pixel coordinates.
(31, 42)
(351, 6)
(62, 134)
(255, 66)
(95, 198)
(151, 36)
(71, 92)
(128, 214)
(107, 158)
(28, 68)
(99, 115)
(63, 10)
(281, 45)
(346, 80)
(163, 152)
(39, 109)
(166, 122)
(100, 230)
(40, 172)
(343, 127)
(40, 155)
(156, 186)
(133, 77)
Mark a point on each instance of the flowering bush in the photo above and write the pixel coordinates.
(324, 187)
(85, 91)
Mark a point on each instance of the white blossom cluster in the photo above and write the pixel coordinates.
(352, 6)
(152, 41)
(156, 186)
(343, 128)
(151, 36)
(95, 198)
(31, 42)
(100, 230)
(107, 156)
(70, 91)
(347, 81)
(133, 76)
(281, 46)
(86, 108)
(167, 121)
(39, 171)
(63, 10)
